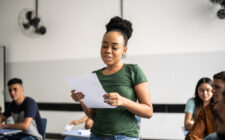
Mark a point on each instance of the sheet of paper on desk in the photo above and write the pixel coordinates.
(84, 132)
(90, 86)
(68, 127)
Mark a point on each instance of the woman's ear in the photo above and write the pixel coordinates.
(125, 50)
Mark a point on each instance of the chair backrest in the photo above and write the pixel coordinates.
(139, 125)
(138, 119)
(44, 124)
(184, 131)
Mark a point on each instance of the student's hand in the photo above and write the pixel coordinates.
(75, 122)
(113, 99)
(77, 96)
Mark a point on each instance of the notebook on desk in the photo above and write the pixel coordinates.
(4, 131)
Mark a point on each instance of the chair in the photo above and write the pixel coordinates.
(138, 119)
(44, 124)
(184, 131)
(139, 124)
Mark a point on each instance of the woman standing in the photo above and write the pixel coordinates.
(203, 97)
(125, 84)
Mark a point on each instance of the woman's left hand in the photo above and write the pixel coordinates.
(113, 99)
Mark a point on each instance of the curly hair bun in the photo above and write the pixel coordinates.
(123, 25)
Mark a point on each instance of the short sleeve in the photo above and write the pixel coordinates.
(137, 75)
(31, 108)
(190, 106)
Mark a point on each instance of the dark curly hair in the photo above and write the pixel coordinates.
(121, 25)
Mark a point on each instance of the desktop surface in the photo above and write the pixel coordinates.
(78, 133)
(4, 132)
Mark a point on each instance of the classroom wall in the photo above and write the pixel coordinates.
(172, 41)
(175, 26)
(73, 29)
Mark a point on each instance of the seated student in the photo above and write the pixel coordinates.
(219, 108)
(24, 112)
(205, 122)
(88, 122)
(203, 97)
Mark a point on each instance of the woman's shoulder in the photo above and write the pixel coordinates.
(132, 67)
(190, 106)
(97, 71)
(191, 100)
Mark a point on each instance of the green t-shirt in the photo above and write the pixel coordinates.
(110, 122)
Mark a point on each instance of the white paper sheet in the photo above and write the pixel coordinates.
(68, 127)
(84, 131)
(90, 86)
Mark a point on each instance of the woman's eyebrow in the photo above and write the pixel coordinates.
(115, 43)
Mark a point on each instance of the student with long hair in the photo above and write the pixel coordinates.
(202, 98)
(205, 122)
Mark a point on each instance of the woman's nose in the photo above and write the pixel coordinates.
(205, 91)
(109, 50)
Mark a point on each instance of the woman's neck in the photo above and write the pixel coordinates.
(111, 69)
(206, 103)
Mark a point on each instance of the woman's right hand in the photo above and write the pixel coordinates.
(77, 96)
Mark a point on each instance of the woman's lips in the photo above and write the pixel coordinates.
(107, 58)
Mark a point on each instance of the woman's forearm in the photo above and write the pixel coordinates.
(139, 109)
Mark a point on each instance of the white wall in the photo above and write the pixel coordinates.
(163, 126)
(74, 32)
(74, 29)
(174, 26)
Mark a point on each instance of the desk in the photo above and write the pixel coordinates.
(4, 132)
(76, 135)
